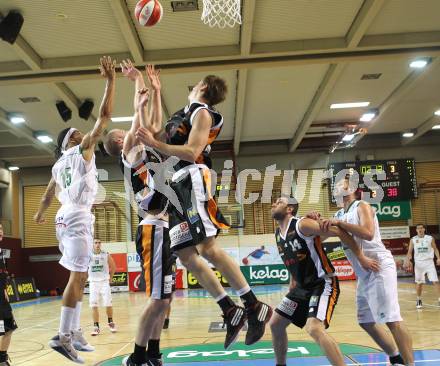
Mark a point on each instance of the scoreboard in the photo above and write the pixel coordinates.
(400, 177)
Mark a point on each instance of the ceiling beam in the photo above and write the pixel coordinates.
(26, 52)
(247, 25)
(324, 89)
(421, 130)
(240, 102)
(363, 20)
(411, 81)
(250, 63)
(128, 30)
(26, 132)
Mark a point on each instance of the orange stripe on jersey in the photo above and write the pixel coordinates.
(212, 205)
(324, 259)
(213, 133)
(144, 175)
(332, 301)
(147, 244)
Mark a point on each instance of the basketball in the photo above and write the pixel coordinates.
(148, 12)
(245, 261)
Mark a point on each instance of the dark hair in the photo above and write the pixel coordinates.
(294, 207)
(216, 90)
(60, 139)
(421, 226)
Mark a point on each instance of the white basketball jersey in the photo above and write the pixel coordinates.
(371, 248)
(98, 269)
(423, 249)
(76, 178)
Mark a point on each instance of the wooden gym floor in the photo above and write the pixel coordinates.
(192, 313)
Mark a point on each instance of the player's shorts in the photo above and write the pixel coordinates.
(200, 217)
(425, 267)
(100, 293)
(7, 325)
(153, 247)
(74, 230)
(300, 304)
(376, 295)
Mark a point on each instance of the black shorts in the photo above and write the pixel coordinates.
(200, 217)
(7, 324)
(153, 246)
(299, 304)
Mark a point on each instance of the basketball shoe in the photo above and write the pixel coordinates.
(234, 319)
(63, 345)
(80, 343)
(257, 317)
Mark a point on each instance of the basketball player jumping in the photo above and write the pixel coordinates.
(194, 225)
(152, 238)
(314, 287)
(424, 248)
(74, 182)
(376, 296)
(101, 270)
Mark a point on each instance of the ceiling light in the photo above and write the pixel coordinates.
(16, 119)
(418, 64)
(13, 168)
(348, 137)
(43, 137)
(369, 115)
(437, 112)
(408, 134)
(436, 127)
(349, 105)
(122, 119)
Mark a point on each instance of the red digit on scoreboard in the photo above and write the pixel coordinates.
(392, 192)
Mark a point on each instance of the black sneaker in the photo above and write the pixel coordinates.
(166, 324)
(419, 304)
(128, 361)
(257, 317)
(234, 319)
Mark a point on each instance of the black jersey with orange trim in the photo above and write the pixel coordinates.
(141, 180)
(179, 126)
(303, 256)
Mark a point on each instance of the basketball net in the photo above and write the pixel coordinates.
(221, 13)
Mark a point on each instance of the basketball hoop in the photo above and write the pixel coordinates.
(221, 13)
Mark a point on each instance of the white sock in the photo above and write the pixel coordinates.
(76, 322)
(243, 291)
(67, 315)
(222, 296)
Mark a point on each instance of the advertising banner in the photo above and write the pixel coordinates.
(25, 288)
(133, 262)
(392, 211)
(134, 281)
(397, 246)
(261, 255)
(394, 232)
(120, 282)
(266, 275)
(120, 261)
(194, 283)
(400, 265)
(344, 270)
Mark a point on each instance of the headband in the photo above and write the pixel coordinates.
(67, 138)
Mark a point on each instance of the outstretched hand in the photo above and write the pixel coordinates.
(146, 137)
(153, 77)
(39, 218)
(107, 67)
(129, 71)
(144, 96)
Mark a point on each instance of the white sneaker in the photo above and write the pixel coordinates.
(419, 304)
(63, 345)
(95, 331)
(80, 343)
(112, 327)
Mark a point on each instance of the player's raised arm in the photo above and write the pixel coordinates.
(45, 202)
(155, 112)
(107, 69)
(311, 227)
(197, 140)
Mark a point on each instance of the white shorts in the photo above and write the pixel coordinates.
(100, 293)
(377, 297)
(425, 267)
(74, 229)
